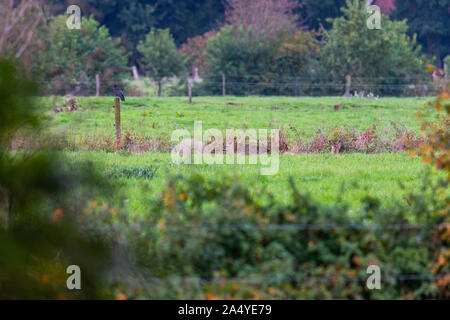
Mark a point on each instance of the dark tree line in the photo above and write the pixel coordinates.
(430, 20)
(131, 20)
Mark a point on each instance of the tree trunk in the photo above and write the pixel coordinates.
(5, 208)
(159, 89)
(135, 72)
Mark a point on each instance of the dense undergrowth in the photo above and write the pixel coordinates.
(206, 238)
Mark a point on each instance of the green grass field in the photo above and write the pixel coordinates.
(155, 116)
(325, 176)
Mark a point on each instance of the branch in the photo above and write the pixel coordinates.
(7, 26)
(30, 36)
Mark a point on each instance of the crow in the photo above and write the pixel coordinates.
(119, 93)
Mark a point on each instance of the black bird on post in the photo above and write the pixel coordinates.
(119, 93)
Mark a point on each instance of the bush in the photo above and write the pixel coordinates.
(41, 197)
(160, 57)
(254, 64)
(388, 57)
(70, 59)
(212, 238)
(435, 149)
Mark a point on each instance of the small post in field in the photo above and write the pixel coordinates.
(190, 90)
(224, 85)
(348, 83)
(117, 123)
(97, 85)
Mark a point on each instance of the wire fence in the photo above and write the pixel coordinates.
(299, 278)
(299, 227)
(247, 85)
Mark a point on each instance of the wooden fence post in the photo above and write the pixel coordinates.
(348, 83)
(97, 85)
(224, 85)
(190, 90)
(446, 71)
(117, 123)
(135, 72)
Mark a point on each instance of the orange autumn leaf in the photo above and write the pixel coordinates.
(45, 278)
(169, 198)
(183, 196)
(210, 296)
(57, 214)
(441, 261)
(357, 261)
(121, 296)
(413, 154)
(444, 281)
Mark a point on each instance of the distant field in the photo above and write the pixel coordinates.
(325, 176)
(155, 116)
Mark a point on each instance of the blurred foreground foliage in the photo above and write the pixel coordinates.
(436, 148)
(213, 239)
(40, 197)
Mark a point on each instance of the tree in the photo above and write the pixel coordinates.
(72, 58)
(241, 55)
(128, 20)
(256, 62)
(18, 24)
(194, 51)
(188, 18)
(159, 56)
(430, 20)
(385, 56)
(271, 17)
(315, 13)
(131, 20)
(293, 58)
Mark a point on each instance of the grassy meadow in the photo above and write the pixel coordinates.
(325, 176)
(154, 116)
